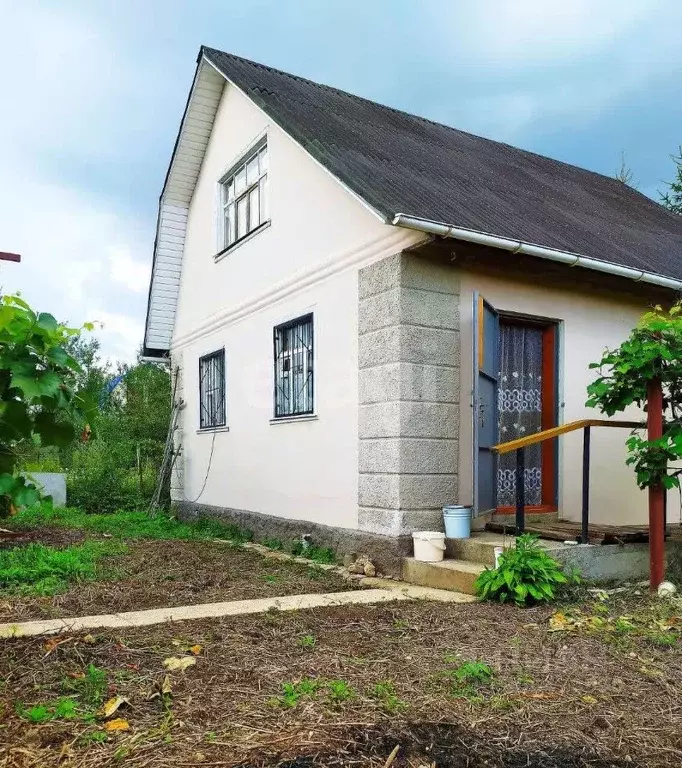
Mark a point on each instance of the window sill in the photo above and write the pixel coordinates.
(226, 251)
(290, 419)
(209, 430)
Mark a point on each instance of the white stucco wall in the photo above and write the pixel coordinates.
(306, 261)
(590, 320)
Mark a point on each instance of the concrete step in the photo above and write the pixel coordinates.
(480, 548)
(455, 575)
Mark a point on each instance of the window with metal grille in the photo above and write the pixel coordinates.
(212, 390)
(243, 195)
(294, 387)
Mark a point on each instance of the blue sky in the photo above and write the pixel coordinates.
(93, 91)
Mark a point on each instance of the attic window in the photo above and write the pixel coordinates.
(243, 195)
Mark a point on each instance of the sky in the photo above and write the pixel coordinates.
(92, 92)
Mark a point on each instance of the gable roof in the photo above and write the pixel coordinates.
(418, 173)
(403, 164)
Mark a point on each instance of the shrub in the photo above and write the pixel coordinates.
(103, 478)
(526, 574)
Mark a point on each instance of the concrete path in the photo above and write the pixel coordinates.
(386, 592)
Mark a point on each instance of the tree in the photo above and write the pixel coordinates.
(624, 174)
(653, 351)
(38, 395)
(672, 199)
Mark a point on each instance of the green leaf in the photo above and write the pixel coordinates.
(51, 431)
(44, 383)
(47, 322)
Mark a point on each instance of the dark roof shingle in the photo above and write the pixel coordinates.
(400, 163)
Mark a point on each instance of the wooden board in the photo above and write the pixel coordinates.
(568, 531)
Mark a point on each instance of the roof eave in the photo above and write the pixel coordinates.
(532, 249)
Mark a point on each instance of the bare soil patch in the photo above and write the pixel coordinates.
(154, 574)
(346, 686)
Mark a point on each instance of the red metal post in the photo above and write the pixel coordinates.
(656, 493)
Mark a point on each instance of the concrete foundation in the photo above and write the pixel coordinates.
(386, 552)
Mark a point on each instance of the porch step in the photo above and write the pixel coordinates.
(479, 549)
(455, 575)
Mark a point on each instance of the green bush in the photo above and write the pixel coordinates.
(526, 574)
(104, 478)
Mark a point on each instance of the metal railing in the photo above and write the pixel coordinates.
(519, 446)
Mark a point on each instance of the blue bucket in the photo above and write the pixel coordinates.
(457, 520)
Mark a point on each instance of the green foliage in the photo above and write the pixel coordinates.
(103, 477)
(61, 709)
(307, 641)
(652, 351)
(472, 673)
(293, 692)
(130, 525)
(672, 199)
(339, 691)
(39, 570)
(86, 693)
(120, 468)
(91, 687)
(526, 574)
(323, 555)
(275, 544)
(39, 403)
(385, 693)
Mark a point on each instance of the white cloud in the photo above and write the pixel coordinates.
(82, 259)
(125, 270)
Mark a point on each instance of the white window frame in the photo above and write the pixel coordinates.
(241, 187)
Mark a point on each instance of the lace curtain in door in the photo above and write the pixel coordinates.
(520, 409)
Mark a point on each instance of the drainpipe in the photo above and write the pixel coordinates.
(528, 249)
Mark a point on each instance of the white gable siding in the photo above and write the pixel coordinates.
(172, 225)
(306, 261)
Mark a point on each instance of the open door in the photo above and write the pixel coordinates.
(486, 367)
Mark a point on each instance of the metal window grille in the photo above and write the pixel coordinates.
(244, 196)
(294, 376)
(212, 390)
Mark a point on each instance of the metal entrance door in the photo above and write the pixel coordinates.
(486, 369)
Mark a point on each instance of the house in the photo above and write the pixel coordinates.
(357, 303)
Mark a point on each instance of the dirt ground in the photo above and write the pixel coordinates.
(346, 687)
(154, 574)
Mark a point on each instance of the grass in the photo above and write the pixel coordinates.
(42, 571)
(385, 693)
(140, 525)
(129, 525)
(85, 694)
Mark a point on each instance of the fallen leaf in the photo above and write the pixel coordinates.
(175, 664)
(76, 675)
(166, 687)
(195, 649)
(558, 622)
(54, 642)
(589, 699)
(112, 706)
(89, 639)
(117, 725)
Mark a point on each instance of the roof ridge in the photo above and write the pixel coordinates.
(205, 48)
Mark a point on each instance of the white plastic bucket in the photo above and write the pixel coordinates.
(429, 546)
(457, 520)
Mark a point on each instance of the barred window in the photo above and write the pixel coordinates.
(212, 390)
(294, 388)
(244, 196)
